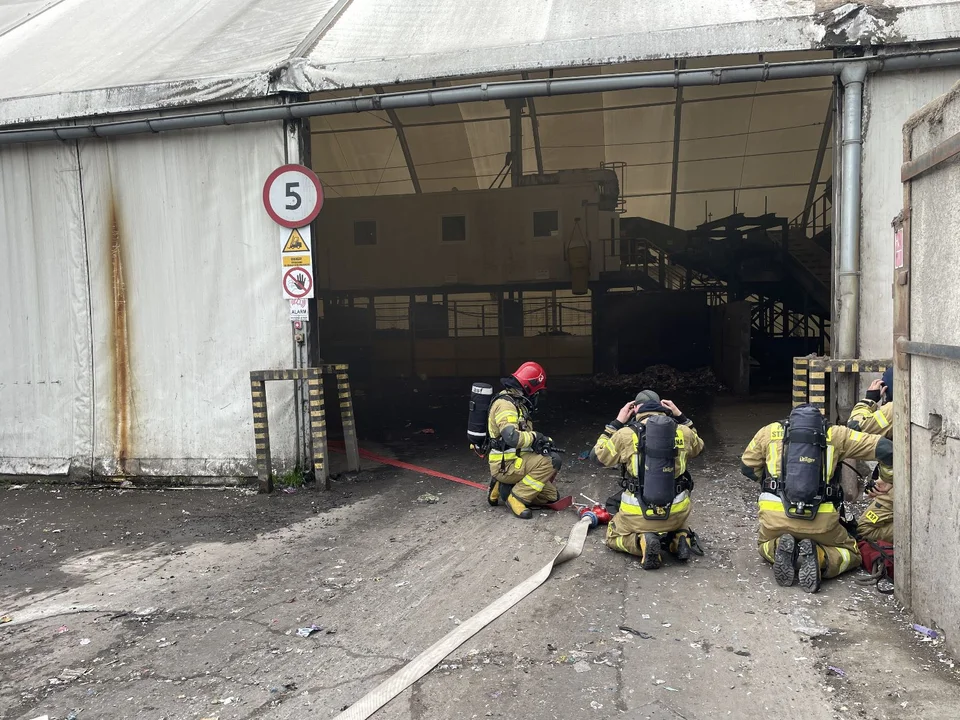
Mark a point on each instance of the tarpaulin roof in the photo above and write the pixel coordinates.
(73, 58)
(752, 146)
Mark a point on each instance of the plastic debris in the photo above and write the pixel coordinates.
(581, 666)
(18, 487)
(289, 491)
(6, 619)
(595, 705)
(62, 629)
(638, 633)
(126, 484)
(85, 641)
(585, 455)
(926, 631)
(73, 715)
(42, 717)
(671, 689)
(831, 670)
(428, 499)
(306, 632)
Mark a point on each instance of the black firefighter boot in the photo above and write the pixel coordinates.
(785, 561)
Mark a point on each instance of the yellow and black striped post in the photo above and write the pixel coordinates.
(261, 433)
(800, 380)
(817, 384)
(346, 416)
(318, 430)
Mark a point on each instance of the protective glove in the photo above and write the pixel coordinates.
(542, 443)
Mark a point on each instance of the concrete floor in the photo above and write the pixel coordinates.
(185, 603)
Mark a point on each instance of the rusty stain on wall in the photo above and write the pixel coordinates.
(121, 344)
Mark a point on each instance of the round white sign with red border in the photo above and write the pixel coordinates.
(293, 196)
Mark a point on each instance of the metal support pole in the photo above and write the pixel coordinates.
(818, 165)
(534, 127)
(677, 109)
(516, 141)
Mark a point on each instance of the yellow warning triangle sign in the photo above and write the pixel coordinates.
(295, 243)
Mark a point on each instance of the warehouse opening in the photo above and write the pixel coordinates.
(602, 234)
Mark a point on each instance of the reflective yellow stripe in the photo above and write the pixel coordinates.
(607, 444)
(535, 484)
(766, 549)
(508, 415)
(881, 420)
(629, 505)
(776, 505)
(831, 463)
(497, 457)
(773, 455)
(847, 558)
(636, 465)
(620, 544)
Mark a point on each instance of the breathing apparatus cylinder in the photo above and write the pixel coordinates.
(481, 396)
(803, 471)
(659, 461)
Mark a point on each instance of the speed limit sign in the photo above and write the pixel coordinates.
(293, 196)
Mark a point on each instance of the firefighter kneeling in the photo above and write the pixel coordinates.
(796, 462)
(523, 463)
(651, 441)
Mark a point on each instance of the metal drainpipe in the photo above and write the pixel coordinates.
(848, 276)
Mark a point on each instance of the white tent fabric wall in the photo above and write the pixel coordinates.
(183, 300)
(45, 372)
(751, 145)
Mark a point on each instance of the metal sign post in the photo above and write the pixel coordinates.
(293, 197)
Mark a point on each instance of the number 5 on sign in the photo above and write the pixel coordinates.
(293, 196)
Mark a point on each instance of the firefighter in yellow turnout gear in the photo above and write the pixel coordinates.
(522, 465)
(639, 527)
(870, 416)
(800, 501)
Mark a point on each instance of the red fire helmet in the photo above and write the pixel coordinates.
(531, 377)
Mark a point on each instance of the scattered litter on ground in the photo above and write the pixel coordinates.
(17, 487)
(85, 641)
(638, 633)
(663, 378)
(742, 653)
(6, 619)
(581, 666)
(595, 705)
(42, 717)
(926, 631)
(126, 484)
(62, 629)
(306, 632)
(831, 670)
(671, 689)
(428, 499)
(289, 491)
(804, 625)
(73, 715)
(585, 455)
(551, 647)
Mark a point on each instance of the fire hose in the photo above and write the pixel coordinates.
(431, 657)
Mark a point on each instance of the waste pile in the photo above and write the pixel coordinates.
(663, 378)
